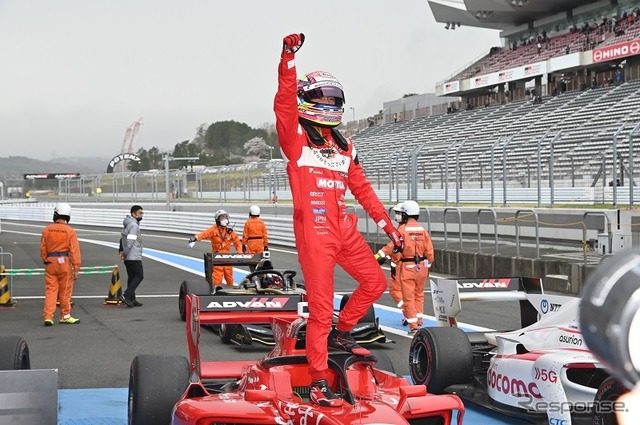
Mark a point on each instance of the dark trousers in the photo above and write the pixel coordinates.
(135, 274)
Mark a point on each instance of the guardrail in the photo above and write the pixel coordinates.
(280, 228)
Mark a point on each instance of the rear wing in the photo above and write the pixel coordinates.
(447, 295)
(220, 259)
(279, 310)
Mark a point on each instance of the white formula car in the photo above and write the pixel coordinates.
(543, 373)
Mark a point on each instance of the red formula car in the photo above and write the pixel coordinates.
(174, 390)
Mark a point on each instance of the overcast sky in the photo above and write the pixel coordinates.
(76, 73)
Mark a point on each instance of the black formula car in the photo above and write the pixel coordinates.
(266, 283)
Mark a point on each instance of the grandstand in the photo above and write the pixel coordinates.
(570, 84)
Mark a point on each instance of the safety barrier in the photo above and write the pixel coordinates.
(113, 297)
(5, 290)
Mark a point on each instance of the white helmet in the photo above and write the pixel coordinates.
(62, 208)
(254, 210)
(217, 214)
(221, 221)
(398, 212)
(410, 208)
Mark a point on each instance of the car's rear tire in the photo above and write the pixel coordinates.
(440, 357)
(369, 317)
(384, 361)
(227, 330)
(14, 353)
(609, 391)
(197, 287)
(156, 383)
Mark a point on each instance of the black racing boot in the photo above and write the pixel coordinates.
(344, 341)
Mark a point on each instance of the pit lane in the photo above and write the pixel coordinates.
(93, 358)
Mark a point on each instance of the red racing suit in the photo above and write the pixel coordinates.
(325, 234)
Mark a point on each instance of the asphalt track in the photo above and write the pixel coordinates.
(93, 357)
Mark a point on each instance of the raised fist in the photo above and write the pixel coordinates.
(292, 43)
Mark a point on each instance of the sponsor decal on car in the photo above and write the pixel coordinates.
(507, 385)
(485, 284)
(316, 194)
(546, 306)
(319, 211)
(570, 339)
(259, 303)
(233, 256)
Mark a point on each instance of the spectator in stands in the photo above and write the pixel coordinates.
(619, 76)
(594, 83)
(395, 117)
(583, 86)
(555, 92)
(539, 46)
(567, 49)
(534, 93)
(563, 86)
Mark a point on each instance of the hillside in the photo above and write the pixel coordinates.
(14, 167)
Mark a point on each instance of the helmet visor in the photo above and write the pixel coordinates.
(325, 91)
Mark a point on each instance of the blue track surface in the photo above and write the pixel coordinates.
(108, 406)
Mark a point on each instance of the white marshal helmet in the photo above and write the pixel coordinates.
(254, 210)
(220, 213)
(397, 209)
(410, 208)
(62, 208)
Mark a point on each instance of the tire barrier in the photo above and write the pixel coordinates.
(114, 297)
(5, 290)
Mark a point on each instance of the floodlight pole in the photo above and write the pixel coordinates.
(166, 159)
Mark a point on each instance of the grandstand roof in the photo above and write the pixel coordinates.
(499, 14)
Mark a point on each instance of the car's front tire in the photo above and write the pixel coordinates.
(156, 383)
(439, 358)
(609, 391)
(197, 287)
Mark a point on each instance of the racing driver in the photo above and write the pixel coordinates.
(321, 165)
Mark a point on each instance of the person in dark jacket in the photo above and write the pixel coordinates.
(131, 252)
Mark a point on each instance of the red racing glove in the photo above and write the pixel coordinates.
(292, 43)
(396, 238)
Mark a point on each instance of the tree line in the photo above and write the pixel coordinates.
(221, 143)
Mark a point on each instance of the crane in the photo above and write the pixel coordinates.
(127, 143)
